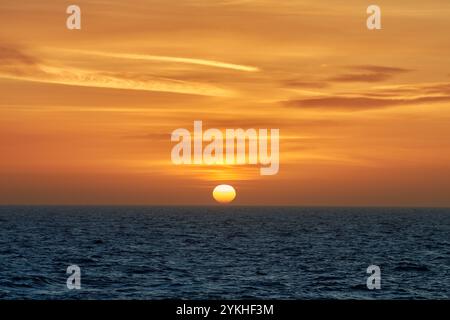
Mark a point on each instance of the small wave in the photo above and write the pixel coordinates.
(358, 287)
(411, 267)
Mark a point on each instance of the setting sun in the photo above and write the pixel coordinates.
(224, 193)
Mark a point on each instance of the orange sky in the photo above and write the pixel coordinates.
(86, 116)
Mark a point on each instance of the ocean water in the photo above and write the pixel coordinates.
(224, 252)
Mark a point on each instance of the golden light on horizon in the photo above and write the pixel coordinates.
(224, 193)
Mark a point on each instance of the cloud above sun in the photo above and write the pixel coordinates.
(15, 64)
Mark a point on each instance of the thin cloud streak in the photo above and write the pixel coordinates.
(384, 97)
(202, 62)
(369, 73)
(82, 78)
(360, 103)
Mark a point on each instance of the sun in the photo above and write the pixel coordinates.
(224, 193)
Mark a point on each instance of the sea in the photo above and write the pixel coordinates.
(223, 252)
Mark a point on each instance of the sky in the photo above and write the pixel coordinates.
(86, 115)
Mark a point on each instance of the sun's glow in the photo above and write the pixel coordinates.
(224, 193)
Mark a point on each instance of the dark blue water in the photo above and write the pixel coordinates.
(226, 253)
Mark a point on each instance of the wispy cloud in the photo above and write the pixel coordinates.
(381, 69)
(401, 96)
(368, 73)
(17, 65)
(201, 62)
(83, 78)
(305, 84)
(10, 54)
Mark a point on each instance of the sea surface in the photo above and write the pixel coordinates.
(224, 252)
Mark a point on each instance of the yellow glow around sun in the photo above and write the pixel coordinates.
(224, 193)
